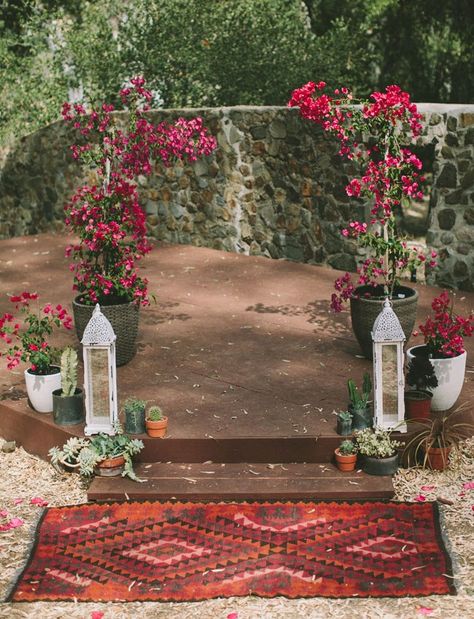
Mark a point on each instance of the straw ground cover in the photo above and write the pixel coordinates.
(24, 477)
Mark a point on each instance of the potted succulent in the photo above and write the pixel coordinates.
(346, 456)
(359, 405)
(379, 451)
(435, 438)
(156, 422)
(102, 454)
(421, 379)
(344, 423)
(68, 402)
(134, 411)
(444, 335)
(389, 177)
(26, 339)
(108, 219)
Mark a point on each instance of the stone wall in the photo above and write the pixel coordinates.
(274, 187)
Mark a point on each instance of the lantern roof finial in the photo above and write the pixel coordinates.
(98, 330)
(387, 327)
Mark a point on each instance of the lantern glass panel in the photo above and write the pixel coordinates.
(99, 384)
(390, 381)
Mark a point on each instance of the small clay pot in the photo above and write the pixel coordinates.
(345, 463)
(438, 458)
(418, 404)
(110, 467)
(156, 429)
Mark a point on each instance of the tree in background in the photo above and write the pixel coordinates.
(226, 52)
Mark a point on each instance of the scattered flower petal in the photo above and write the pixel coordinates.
(3, 513)
(233, 616)
(17, 501)
(11, 524)
(427, 488)
(97, 614)
(37, 500)
(420, 498)
(469, 485)
(424, 610)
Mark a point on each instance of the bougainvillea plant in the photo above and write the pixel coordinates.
(444, 333)
(108, 219)
(25, 336)
(373, 134)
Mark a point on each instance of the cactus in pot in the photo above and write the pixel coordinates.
(156, 422)
(68, 402)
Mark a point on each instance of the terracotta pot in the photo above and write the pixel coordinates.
(345, 463)
(438, 457)
(156, 429)
(110, 467)
(418, 404)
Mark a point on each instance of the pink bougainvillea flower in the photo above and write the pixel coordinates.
(18, 501)
(424, 610)
(469, 485)
(420, 498)
(427, 488)
(12, 524)
(3, 513)
(97, 614)
(37, 500)
(233, 616)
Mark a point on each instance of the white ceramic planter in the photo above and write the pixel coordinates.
(450, 375)
(40, 390)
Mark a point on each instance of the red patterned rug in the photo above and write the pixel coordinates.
(193, 551)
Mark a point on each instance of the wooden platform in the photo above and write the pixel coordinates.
(228, 482)
(242, 353)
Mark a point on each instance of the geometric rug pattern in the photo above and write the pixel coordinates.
(179, 551)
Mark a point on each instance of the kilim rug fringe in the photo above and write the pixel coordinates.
(185, 551)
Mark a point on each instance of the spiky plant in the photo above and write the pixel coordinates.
(68, 371)
(360, 399)
(155, 413)
(347, 448)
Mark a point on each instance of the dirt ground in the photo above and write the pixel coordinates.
(23, 477)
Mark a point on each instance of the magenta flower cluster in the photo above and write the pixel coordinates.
(444, 333)
(25, 337)
(108, 219)
(390, 175)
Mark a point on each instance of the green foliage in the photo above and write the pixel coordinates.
(421, 373)
(360, 399)
(68, 371)
(85, 454)
(155, 413)
(347, 448)
(345, 416)
(134, 405)
(218, 52)
(376, 443)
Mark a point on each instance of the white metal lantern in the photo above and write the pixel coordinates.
(100, 379)
(387, 343)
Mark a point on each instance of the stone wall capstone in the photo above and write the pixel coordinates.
(274, 187)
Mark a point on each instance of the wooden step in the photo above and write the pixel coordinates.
(238, 481)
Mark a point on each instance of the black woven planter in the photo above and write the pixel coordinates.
(364, 311)
(124, 320)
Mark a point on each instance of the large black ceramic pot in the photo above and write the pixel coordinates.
(124, 320)
(367, 305)
(380, 466)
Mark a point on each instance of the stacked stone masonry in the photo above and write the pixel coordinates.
(274, 187)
